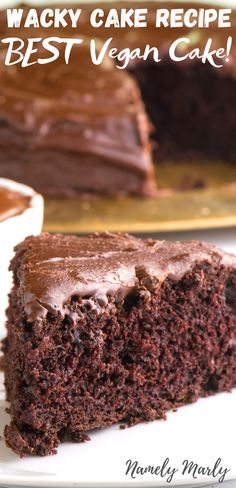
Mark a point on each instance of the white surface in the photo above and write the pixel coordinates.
(13, 231)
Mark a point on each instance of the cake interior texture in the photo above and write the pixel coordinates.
(110, 328)
(192, 110)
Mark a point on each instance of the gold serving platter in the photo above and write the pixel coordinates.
(192, 196)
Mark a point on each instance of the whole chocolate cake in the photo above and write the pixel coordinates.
(109, 328)
(82, 129)
(74, 128)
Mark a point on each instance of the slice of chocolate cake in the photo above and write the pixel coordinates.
(109, 328)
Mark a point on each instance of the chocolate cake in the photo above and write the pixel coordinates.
(83, 129)
(109, 328)
(74, 128)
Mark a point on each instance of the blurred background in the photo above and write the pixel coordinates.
(10, 3)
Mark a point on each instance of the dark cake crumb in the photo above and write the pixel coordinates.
(109, 328)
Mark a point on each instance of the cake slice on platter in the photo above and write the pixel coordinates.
(109, 328)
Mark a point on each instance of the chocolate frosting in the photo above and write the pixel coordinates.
(51, 269)
(12, 203)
